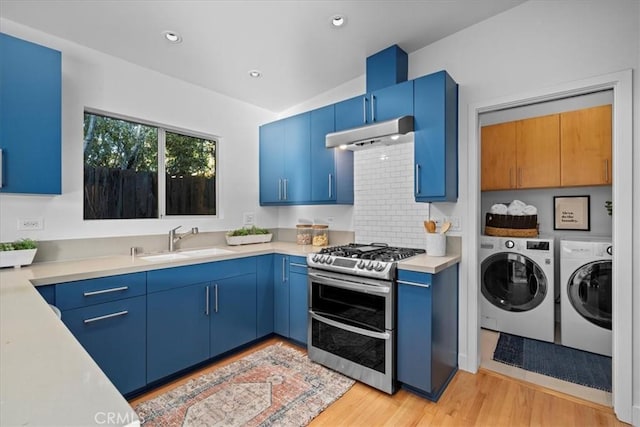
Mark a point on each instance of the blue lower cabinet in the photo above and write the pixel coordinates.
(427, 330)
(177, 329)
(281, 294)
(48, 293)
(264, 297)
(298, 299)
(233, 313)
(114, 334)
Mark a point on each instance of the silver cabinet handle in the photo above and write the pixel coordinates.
(215, 294)
(106, 316)
(295, 264)
(286, 189)
(364, 109)
(417, 178)
(420, 285)
(284, 269)
(280, 189)
(105, 291)
(206, 300)
(330, 186)
(373, 108)
(606, 170)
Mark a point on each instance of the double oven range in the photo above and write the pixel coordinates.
(352, 310)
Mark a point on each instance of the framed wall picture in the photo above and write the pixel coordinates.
(571, 213)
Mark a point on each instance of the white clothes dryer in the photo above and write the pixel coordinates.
(585, 295)
(517, 282)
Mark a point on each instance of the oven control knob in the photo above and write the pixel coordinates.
(379, 266)
(325, 259)
(370, 265)
(509, 244)
(361, 264)
(609, 250)
(315, 258)
(329, 260)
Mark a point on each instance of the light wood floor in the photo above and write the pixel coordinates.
(483, 399)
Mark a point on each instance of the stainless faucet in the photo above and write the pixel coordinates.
(174, 237)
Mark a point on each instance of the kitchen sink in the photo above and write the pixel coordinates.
(193, 253)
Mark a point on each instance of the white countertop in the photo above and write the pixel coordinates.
(47, 378)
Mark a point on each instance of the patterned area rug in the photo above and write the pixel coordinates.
(565, 363)
(275, 386)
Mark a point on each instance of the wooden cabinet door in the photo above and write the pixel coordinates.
(498, 151)
(538, 152)
(586, 146)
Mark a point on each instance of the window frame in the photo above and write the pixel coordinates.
(162, 129)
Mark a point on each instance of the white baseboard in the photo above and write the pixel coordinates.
(636, 416)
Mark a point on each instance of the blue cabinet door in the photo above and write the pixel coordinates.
(297, 159)
(177, 329)
(114, 334)
(271, 162)
(264, 298)
(391, 102)
(323, 165)
(436, 138)
(351, 113)
(233, 313)
(48, 293)
(414, 330)
(30, 117)
(427, 352)
(281, 295)
(298, 300)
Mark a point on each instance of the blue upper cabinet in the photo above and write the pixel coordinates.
(383, 104)
(436, 138)
(331, 169)
(30, 117)
(285, 159)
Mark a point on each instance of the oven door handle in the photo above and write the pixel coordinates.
(346, 284)
(359, 331)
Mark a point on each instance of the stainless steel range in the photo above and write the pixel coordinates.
(352, 304)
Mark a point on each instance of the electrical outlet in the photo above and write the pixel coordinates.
(330, 219)
(30, 224)
(249, 218)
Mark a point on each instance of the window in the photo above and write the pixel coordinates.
(123, 160)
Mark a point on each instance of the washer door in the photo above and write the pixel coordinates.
(513, 282)
(589, 291)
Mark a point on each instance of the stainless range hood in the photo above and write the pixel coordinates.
(383, 133)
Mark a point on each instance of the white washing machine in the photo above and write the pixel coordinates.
(517, 282)
(585, 295)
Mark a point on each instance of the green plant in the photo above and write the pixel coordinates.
(18, 245)
(248, 231)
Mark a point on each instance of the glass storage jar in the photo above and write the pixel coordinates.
(304, 234)
(320, 235)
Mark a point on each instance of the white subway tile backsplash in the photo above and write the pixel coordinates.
(384, 207)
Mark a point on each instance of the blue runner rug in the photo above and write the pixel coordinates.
(565, 363)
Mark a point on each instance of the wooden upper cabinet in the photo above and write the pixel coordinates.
(538, 152)
(498, 151)
(586, 146)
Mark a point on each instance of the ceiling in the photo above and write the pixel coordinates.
(291, 42)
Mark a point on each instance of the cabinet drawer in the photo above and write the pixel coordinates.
(114, 335)
(414, 278)
(83, 293)
(178, 277)
(233, 267)
(298, 264)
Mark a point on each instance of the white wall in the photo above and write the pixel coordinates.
(92, 79)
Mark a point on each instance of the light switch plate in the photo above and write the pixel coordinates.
(249, 218)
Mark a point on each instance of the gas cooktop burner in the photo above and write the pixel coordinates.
(373, 251)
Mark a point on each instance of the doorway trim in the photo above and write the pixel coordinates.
(622, 318)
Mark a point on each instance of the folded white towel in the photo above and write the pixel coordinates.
(518, 203)
(530, 210)
(498, 209)
(515, 210)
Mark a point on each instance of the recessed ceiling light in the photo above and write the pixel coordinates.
(172, 36)
(255, 73)
(338, 20)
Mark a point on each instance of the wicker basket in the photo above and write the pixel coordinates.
(511, 225)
